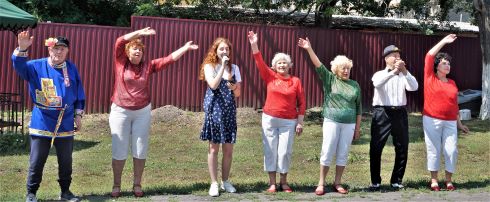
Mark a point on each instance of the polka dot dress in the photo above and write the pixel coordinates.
(220, 115)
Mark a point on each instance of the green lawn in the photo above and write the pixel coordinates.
(177, 161)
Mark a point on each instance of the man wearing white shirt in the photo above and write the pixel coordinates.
(390, 116)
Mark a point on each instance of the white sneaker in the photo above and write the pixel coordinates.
(31, 197)
(228, 187)
(214, 189)
(375, 187)
(397, 186)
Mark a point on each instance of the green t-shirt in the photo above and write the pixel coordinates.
(342, 99)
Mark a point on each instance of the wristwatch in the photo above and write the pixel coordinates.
(80, 113)
(20, 53)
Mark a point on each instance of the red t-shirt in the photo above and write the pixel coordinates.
(285, 96)
(440, 98)
(131, 84)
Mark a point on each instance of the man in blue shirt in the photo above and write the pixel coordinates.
(59, 99)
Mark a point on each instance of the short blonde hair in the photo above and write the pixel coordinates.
(281, 56)
(340, 61)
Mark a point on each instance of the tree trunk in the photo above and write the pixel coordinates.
(324, 11)
(323, 18)
(482, 8)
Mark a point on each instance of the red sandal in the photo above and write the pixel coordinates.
(450, 186)
(340, 189)
(320, 191)
(285, 188)
(138, 193)
(116, 191)
(272, 189)
(434, 186)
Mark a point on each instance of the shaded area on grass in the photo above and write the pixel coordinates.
(23, 149)
(423, 185)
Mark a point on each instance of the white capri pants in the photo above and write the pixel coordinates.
(277, 138)
(129, 126)
(441, 133)
(337, 138)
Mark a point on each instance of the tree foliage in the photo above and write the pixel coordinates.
(118, 13)
(100, 12)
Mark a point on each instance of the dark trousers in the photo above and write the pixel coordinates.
(39, 154)
(388, 121)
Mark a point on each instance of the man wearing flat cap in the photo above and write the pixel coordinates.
(59, 99)
(390, 116)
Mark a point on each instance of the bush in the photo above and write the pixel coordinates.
(13, 142)
(314, 115)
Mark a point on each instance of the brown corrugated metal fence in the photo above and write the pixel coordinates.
(178, 84)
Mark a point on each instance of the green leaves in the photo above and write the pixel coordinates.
(81, 12)
(147, 9)
(13, 143)
(265, 11)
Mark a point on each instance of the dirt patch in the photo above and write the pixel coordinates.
(169, 114)
(172, 115)
(247, 116)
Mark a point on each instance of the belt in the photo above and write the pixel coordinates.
(47, 108)
(390, 107)
(46, 133)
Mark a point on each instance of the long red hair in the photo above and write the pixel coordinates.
(212, 56)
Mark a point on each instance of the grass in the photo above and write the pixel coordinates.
(177, 164)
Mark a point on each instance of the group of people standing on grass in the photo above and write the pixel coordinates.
(57, 93)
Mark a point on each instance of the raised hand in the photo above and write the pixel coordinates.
(446, 40)
(190, 46)
(304, 43)
(252, 37)
(147, 31)
(449, 38)
(186, 47)
(24, 40)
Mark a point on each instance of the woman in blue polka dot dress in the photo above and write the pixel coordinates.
(223, 79)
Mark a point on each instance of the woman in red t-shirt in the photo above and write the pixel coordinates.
(283, 115)
(441, 113)
(130, 115)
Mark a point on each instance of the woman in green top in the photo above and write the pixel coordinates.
(341, 113)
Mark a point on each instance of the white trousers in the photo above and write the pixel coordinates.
(441, 134)
(337, 138)
(129, 126)
(277, 138)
